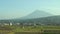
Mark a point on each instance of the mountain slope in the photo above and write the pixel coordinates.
(52, 20)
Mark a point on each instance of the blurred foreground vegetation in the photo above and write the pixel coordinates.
(29, 29)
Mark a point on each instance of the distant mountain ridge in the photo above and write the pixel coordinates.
(37, 14)
(37, 17)
(51, 20)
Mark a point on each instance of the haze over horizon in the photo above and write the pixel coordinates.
(20, 8)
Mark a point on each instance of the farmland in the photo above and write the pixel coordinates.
(29, 29)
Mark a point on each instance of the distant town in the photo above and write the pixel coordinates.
(18, 24)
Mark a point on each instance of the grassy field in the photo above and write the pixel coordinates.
(29, 29)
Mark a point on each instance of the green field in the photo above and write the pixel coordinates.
(29, 29)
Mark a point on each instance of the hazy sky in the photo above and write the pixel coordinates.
(19, 8)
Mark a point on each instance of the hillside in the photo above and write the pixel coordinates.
(51, 20)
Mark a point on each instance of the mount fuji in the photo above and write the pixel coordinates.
(37, 14)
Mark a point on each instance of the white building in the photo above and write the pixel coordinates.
(10, 24)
